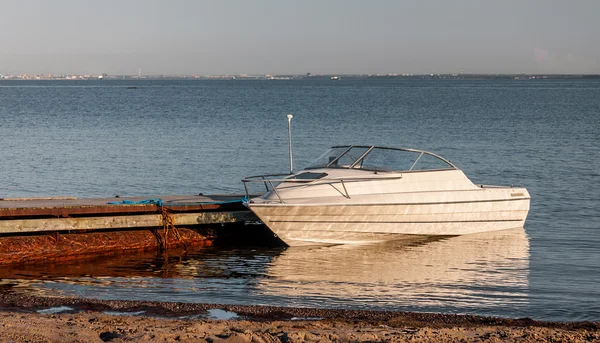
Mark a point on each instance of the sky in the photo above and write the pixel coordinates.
(198, 37)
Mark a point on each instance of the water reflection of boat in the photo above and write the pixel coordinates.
(484, 269)
(467, 273)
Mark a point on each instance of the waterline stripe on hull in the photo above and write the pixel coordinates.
(287, 204)
(395, 222)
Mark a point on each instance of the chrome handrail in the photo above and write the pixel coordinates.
(342, 180)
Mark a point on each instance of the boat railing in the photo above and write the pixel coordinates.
(268, 182)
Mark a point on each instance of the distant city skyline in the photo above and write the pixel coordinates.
(259, 37)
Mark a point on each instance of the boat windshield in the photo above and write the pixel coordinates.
(339, 157)
(380, 159)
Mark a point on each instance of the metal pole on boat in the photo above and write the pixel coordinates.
(289, 118)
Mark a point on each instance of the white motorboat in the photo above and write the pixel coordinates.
(361, 194)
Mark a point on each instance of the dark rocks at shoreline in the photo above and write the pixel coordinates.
(29, 303)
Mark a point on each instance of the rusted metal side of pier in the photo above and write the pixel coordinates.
(38, 229)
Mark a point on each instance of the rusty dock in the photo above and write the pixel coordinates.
(56, 228)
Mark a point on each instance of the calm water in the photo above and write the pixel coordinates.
(98, 138)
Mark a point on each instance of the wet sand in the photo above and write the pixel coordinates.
(86, 320)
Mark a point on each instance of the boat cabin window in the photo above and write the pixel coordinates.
(348, 158)
(430, 162)
(380, 159)
(328, 157)
(339, 157)
(388, 160)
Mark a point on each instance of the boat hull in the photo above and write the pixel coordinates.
(359, 222)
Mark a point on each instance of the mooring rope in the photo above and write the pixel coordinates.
(167, 217)
(167, 220)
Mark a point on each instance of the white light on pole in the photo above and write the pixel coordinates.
(289, 118)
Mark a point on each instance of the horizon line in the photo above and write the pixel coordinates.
(291, 74)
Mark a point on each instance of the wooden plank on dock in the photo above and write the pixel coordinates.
(185, 219)
(121, 222)
(39, 198)
(64, 207)
(86, 223)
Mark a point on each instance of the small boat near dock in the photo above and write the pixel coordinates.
(361, 194)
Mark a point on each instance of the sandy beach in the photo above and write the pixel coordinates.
(48, 319)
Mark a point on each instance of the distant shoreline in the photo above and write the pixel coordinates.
(328, 77)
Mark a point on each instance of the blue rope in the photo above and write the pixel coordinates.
(160, 203)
